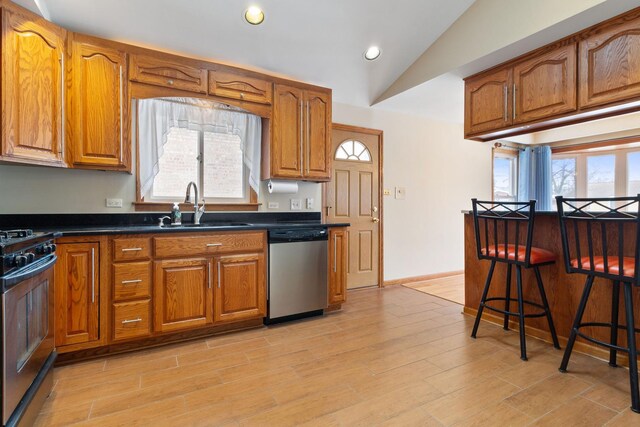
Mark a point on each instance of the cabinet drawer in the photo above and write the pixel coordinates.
(166, 247)
(234, 86)
(131, 249)
(131, 280)
(131, 319)
(161, 72)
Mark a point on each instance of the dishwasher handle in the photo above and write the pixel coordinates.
(299, 235)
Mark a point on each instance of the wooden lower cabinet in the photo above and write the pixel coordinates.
(337, 266)
(183, 295)
(77, 293)
(240, 291)
(131, 319)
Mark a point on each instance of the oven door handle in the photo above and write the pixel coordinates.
(32, 271)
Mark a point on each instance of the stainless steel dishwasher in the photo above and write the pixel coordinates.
(297, 273)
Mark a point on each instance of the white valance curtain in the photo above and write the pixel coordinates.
(157, 116)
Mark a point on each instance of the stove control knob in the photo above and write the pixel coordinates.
(53, 247)
(21, 260)
(30, 257)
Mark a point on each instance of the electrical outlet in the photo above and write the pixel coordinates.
(400, 193)
(274, 205)
(387, 192)
(113, 203)
(309, 203)
(296, 204)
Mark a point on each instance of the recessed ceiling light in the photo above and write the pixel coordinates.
(372, 53)
(254, 15)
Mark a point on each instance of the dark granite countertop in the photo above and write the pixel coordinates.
(94, 224)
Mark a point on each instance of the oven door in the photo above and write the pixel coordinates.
(27, 329)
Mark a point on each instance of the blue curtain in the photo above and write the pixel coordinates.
(534, 176)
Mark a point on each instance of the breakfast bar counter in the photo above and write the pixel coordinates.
(563, 290)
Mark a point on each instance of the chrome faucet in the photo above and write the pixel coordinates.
(198, 211)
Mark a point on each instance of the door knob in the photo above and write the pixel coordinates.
(375, 219)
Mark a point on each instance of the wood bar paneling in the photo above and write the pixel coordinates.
(563, 290)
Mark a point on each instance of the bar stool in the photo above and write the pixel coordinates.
(494, 223)
(594, 244)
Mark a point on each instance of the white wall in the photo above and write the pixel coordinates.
(441, 171)
(34, 189)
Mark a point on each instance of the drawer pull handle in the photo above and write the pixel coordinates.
(209, 245)
(129, 282)
(131, 249)
(127, 321)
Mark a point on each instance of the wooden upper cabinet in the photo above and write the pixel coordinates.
(337, 266)
(77, 293)
(287, 132)
(240, 291)
(610, 64)
(235, 86)
(487, 105)
(318, 135)
(182, 294)
(99, 108)
(545, 85)
(158, 71)
(32, 90)
(301, 134)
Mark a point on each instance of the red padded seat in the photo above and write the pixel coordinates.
(538, 255)
(614, 265)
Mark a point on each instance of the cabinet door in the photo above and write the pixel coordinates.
(609, 63)
(240, 291)
(32, 90)
(545, 86)
(317, 136)
(182, 294)
(286, 141)
(167, 73)
(243, 88)
(487, 106)
(99, 134)
(337, 266)
(77, 293)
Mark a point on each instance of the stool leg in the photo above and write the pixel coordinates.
(508, 298)
(633, 354)
(547, 310)
(483, 299)
(523, 341)
(615, 303)
(576, 324)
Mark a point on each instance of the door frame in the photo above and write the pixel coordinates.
(380, 135)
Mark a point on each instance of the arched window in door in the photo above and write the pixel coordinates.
(353, 150)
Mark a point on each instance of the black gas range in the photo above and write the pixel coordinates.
(23, 247)
(27, 259)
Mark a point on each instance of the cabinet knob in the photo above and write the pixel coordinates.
(170, 81)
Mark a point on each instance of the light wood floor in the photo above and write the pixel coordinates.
(392, 357)
(450, 288)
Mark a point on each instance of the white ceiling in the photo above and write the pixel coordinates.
(321, 42)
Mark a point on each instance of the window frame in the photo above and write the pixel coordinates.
(142, 205)
(509, 154)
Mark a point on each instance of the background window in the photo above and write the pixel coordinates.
(212, 160)
(563, 174)
(505, 171)
(633, 173)
(601, 176)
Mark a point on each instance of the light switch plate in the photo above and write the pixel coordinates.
(113, 203)
(296, 204)
(400, 193)
(387, 192)
(274, 205)
(309, 203)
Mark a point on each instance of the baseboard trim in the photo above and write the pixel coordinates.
(405, 280)
(579, 346)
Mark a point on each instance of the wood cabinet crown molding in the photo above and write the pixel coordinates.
(591, 74)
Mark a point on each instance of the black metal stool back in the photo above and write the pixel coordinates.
(598, 239)
(500, 224)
